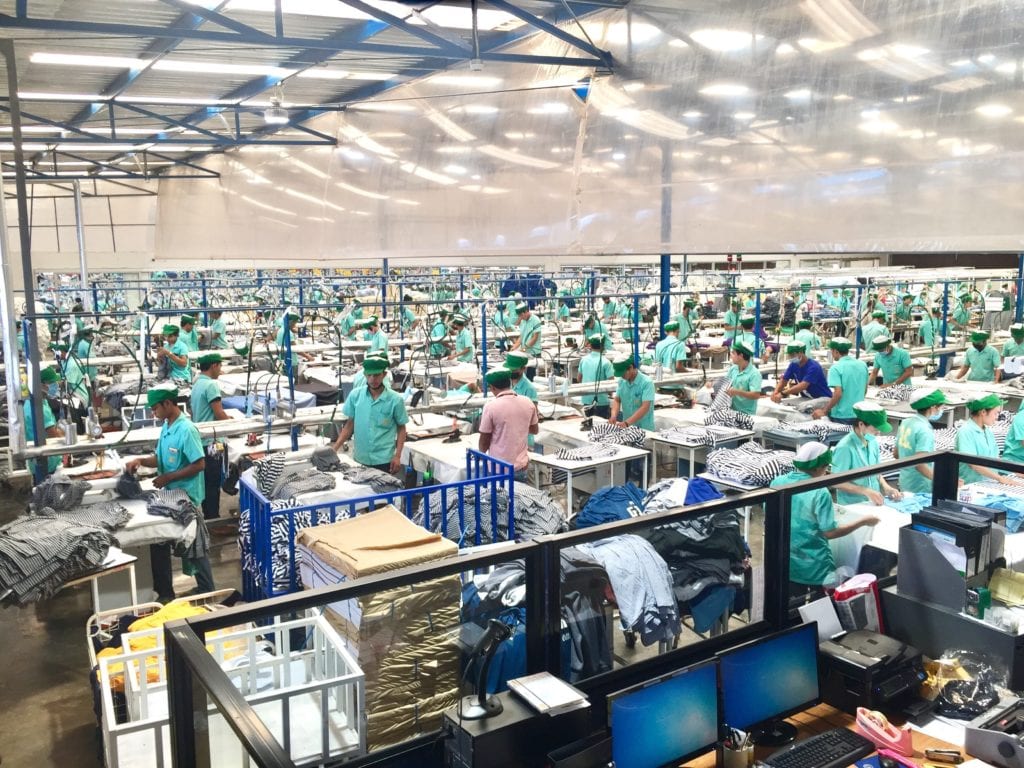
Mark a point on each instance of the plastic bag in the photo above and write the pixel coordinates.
(966, 699)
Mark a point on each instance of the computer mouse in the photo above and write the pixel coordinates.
(888, 762)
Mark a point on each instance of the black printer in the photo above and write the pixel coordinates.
(867, 669)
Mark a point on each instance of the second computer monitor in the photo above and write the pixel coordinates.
(768, 679)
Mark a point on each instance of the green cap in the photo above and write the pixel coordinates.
(804, 324)
(936, 310)
(689, 303)
(158, 395)
(459, 318)
(49, 375)
(924, 398)
(515, 361)
(878, 314)
(840, 344)
(621, 366)
(522, 307)
(747, 322)
(498, 377)
(984, 403)
(373, 364)
(1017, 330)
(596, 340)
(812, 456)
(672, 325)
(171, 330)
(369, 322)
(872, 415)
(743, 349)
(978, 336)
(59, 347)
(907, 296)
(796, 346)
(965, 298)
(210, 359)
(187, 320)
(881, 342)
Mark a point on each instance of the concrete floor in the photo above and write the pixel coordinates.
(46, 709)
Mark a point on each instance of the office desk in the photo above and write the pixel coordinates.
(603, 471)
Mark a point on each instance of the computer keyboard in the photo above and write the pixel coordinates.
(837, 748)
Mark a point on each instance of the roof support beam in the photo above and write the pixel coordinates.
(442, 43)
(551, 29)
(219, 19)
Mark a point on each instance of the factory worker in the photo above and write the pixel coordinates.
(348, 324)
(359, 378)
(591, 326)
(731, 320)
(812, 522)
(962, 312)
(870, 331)
(975, 437)
(529, 340)
(515, 364)
(745, 335)
(687, 319)
(1013, 450)
(189, 336)
(374, 334)
(905, 309)
(409, 320)
(804, 335)
(205, 405)
(180, 461)
(633, 402)
(218, 330)
(463, 348)
(501, 318)
(610, 309)
(563, 310)
(506, 423)
(176, 354)
(981, 362)
(930, 329)
(893, 362)
(376, 420)
(77, 385)
(744, 379)
(439, 334)
(595, 367)
(670, 352)
(292, 323)
(916, 435)
(1015, 347)
(50, 378)
(803, 376)
(859, 449)
(84, 350)
(848, 378)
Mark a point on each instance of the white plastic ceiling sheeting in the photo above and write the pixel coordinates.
(817, 126)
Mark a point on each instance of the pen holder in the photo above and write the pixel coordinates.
(734, 758)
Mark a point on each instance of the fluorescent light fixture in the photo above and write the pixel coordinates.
(317, 73)
(519, 135)
(633, 86)
(323, 8)
(455, 170)
(960, 63)
(374, 76)
(38, 129)
(994, 110)
(174, 100)
(41, 96)
(362, 192)
(987, 58)
(550, 108)
(840, 20)
(478, 109)
(814, 45)
(466, 81)
(220, 68)
(511, 156)
(842, 97)
(619, 156)
(99, 147)
(744, 115)
(784, 49)
(726, 40)
(382, 106)
(426, 173)
(693, 113)
(454, 149)
(1007, 68)
(908, 51)
(675, 42)
(879, 126)
(78, 60)
(799, 94)
(725, 89)
(310, 169)
(637, 33)
(275, 114)
(719, 141)
(26, 147)
(453, 17)
(312, 199)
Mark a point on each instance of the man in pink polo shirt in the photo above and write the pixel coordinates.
(506, 421)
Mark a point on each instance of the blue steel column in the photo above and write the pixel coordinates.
(944, 359)
(291, 381)
(483, 345)
(384, 291)
(757, 322)
(206, 314)
(666, 235)
(636, 329)
(1018, 310)
(856, 322)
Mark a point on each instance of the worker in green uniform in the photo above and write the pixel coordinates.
(376, 420)
(205, 405)
(189, 336)
(610, 310)
(515, 364)
(592, 325)
(50, 379)
(633, 402)
(410, 322)
(77, 384)
(670, 353)
(359, 378)
(916, 435)
(804, 335)
(529, 340)
(930, 329)
(1015, 346)
(292, 323)
(904, 311)
(745, 335)
(981, 362)
(348, 325)
(812, 523)
(1013, 450)
(84, 350)
(962, 312)
(595, 367)
(176, 354)
(975, 437)
(859, 449)
(218, 330)
(687, 319)
(463, 348)
(744, 379)
(875, 328)
(731, 320)
(848, 378)
(374, 334)
(893, 362)
(180, 461)
(439, 334)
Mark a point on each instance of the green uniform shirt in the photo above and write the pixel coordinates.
(179, 445)
(74, 375)
(915, 435)
(190, 339)
(749, 380)
(595, 367)
(525, 388)
(669, 351)
(893, 364)
(563, 312)
(219, 334)
(1014, 449)
(731, 318)
(83, 351)
(930, 330)
(853, 453)
(808, 337)
(293, 340)
(632, 395)
(598, 327)
(438, 330)
(376, 424)
(976, 441)
(408, 318)
(961, 315)
(526, 329)
(687, 323)
(464, 340)
(179, 372)
(869, 332)
(204, 392)
(903, 311)
(610, 309)
(811, 515)
(852, 376)
(378, 341)
(1013, 349)
(500, 318)
(49, 420)
(347, 325)
(983, 363)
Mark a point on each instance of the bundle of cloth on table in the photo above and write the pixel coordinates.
(609, 434)
(501, 595)
(695, 435)
(897, 393)
(822, 430)
(721, 412)
(750, 464)
(693, 566)
(194, 542)
(535, 514)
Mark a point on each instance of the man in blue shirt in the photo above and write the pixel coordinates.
(803, 376)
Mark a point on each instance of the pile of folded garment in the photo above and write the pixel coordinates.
(750, 464)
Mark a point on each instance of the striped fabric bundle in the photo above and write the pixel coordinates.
(634, 437)
(110, 515)
(721, 413)
(750, 464)
(586, 452)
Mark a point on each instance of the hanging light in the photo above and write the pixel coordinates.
(275, 114)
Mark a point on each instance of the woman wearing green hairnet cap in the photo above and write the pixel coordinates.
(975, 437)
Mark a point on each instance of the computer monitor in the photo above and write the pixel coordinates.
(666, 720)
(768, 679)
